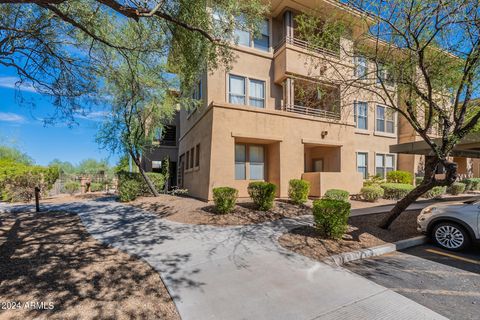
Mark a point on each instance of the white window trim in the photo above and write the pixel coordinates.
(266, 89)
(384, 157)
(356, 162)
(355, 115)
(395, 117)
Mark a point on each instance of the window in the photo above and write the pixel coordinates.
(242, 36)
(240, 161)
(361, 67)
(196, 95)
(257, 162)
(385, 120)
(187, 160)
(262, 42)
(361, 115)
(256, 92)
(191, 158)
(236, 87)
(197, 155)
(362, 163)
(383, 75)
(384, 163)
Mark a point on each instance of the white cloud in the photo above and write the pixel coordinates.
(13, 83)
(11, 117)
(92, 116)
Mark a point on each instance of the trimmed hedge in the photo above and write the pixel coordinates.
(298, 191)
(373, 181)
(331, 217)
(471, 184)
(336, 194)
(456, 188)
(262, 194)
(434, 192)
(396, 191)
(18, 180)
(225, 199)
(132, 185)
(399, 176)
(372, 193)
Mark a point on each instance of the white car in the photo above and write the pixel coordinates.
(452, 226)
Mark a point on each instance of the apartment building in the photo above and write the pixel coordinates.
(274, 117)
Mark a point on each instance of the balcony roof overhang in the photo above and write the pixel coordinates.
(468, 147)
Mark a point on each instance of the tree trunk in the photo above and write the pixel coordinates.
(428, 183)
(149, 182)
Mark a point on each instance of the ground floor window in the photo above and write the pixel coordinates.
(251, 156)
(362, 163)
(384, 163)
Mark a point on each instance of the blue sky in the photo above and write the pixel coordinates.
(21, 126)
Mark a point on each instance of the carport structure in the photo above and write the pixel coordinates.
(466, 153)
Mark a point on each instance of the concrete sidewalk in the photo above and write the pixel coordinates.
(241, 272)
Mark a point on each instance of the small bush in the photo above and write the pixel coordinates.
(96, 187)
(225, 199)
(371, 194)
(141, 186)
(129, 190)
(336, 194)
(396, 190)
(72, 187)
(435, 192)
(373, 181)
(262, 194)
(298, 191)
(471, 184)
(331, 217)
(399, 176)
(456, 188)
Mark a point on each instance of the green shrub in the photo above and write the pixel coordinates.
(225, 199)
(298, 191)
(18, 180)
(96, 187)
(399, 176)
(331, 217)
(372, 193)
(336, 194)
(471, 184)
(262, 194)
(373, 181)
(139, 187)
(396, 190)
(72, 187)
(129, 190)
(418, 180)
(435, 192)
(456, 188)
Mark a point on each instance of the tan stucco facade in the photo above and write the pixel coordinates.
(294, 144)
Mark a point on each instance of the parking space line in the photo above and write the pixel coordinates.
(439, 292)
(453, 256)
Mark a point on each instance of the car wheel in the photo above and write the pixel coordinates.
(450, 236)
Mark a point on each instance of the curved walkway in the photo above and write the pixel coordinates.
(240, 272)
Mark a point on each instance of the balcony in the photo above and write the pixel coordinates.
(305, 45)
(312, 112)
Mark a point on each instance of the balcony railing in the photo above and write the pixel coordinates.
(312, 112)
(305, 45)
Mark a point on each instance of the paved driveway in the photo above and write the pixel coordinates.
(241, 272)
(447, 282)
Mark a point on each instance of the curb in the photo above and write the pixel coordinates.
(342, 258)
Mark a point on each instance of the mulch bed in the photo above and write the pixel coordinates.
(363, 232)
(192, 211)
(50, 260)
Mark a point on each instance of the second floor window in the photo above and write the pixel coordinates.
(256, 93)
(245, 38)
(236, 85)
(361, 67)
(262, 41)
(383, 75)
(385, 120)
(361, 115)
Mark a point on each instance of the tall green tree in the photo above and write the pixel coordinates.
(15, 155)
(429, 49)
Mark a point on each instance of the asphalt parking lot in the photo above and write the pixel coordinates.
(444, 281)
